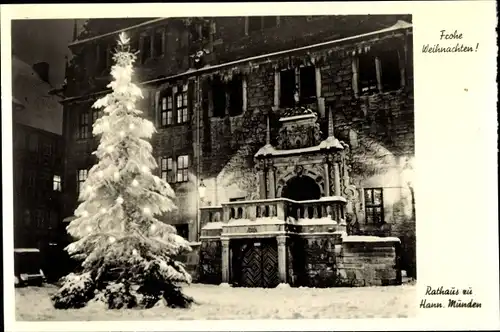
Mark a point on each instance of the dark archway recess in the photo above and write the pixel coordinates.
(301, 188)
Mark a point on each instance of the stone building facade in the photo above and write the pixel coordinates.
(229, 94)
(37, 162)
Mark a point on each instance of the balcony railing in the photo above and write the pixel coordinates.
(285, 209)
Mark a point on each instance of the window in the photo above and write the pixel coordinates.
(96, 114)
(228, 95)
(134, 44)
(301, 81)
(166, 108)
(367, 73)
(39, 218)
(158, 43)
(390, 72)
(33, 142)
(374, 205)
(81, 176)
(56, 183)
(287, 88)
(102, 57)
(47, 149)
(30, 179)
(257, 23)
(235, 89)
(181, 105)
(83, 128)
(167, 169)
(219, 97)
(182, 230)
(254, 23)
(307, 83)
(379, 71)
(182, 168)
(146, 48)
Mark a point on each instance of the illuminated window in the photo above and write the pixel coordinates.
(81, 177)
(167, 169)
(166, 108)
(56, 183)
(374, 205)
(182, 168)
(182, 105)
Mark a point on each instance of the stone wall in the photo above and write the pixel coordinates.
(210, 271)
(369, 261)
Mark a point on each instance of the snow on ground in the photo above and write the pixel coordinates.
(216, 302)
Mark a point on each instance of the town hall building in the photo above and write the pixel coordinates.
(289, 141)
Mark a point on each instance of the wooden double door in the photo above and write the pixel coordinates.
(255, 263)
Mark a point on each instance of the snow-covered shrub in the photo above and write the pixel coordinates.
(75, 292)
(117, 295)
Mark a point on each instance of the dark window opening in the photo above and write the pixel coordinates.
(257, 23)
(219, 97)
(287, 88)
(158, 43)
(33, 142)
(307, 83)
(182, 230)
(374, 205)
(391, 75)
(134, 44)
(146, 48)
(102, 57)
(254, 23)
(205, 31)
(235, 87)
(83, 128)
(269, 22)
(367, 73)
(194, 31)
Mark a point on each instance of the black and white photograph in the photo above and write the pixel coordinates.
(230, 167)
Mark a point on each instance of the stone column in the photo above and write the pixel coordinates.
(225, 261)
(262, 184)
(272, 182)
(281, 239)
(327, 178)
(336, 171)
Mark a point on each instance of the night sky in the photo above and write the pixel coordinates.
(44, 40)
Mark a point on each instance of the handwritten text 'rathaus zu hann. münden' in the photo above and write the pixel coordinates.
(452, 302)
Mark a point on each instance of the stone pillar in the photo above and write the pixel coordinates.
(262, 184)
(272, 183)
(327, 178)
(225, 261)
(336, 171)
(281, 239)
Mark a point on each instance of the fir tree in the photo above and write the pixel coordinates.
(127, 254)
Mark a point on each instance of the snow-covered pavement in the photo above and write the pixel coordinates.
(216, 302)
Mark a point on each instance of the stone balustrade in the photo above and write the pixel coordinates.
(286, 209)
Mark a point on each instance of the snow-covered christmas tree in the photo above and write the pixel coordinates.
(127, 254)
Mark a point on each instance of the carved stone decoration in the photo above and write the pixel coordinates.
(348, 189)
(299, 170)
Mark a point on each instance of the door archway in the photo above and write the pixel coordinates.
(301, 188)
